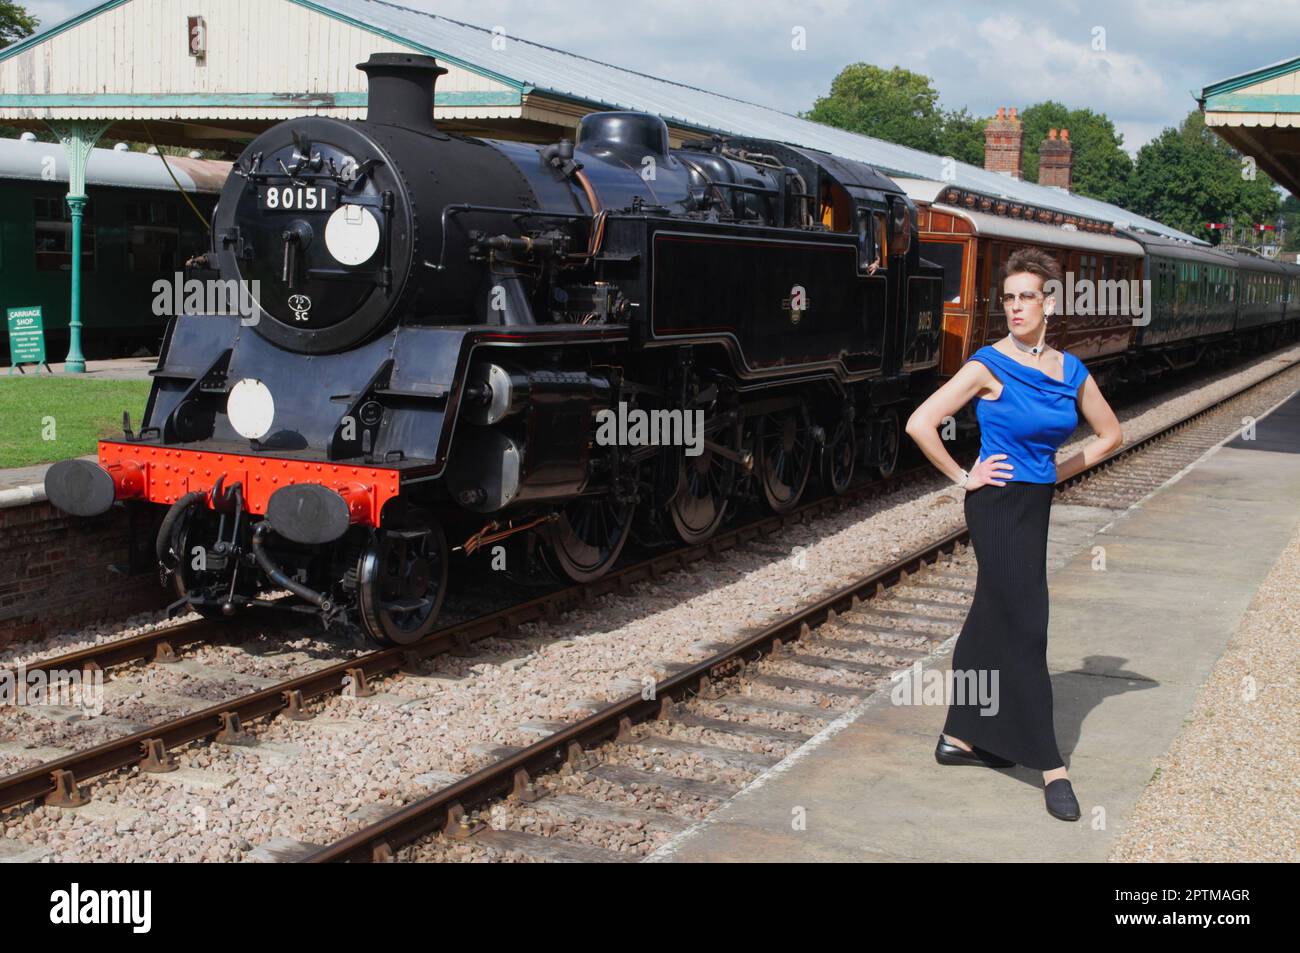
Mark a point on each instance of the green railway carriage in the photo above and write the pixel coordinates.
(1263, 291)
(1209, 303)
(137, 229)
(1193, 293)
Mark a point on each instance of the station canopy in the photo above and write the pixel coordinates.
(1258, 114)
(211, 74)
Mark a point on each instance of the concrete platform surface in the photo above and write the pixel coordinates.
(23, 485)
(1135, 628)
(123, 368)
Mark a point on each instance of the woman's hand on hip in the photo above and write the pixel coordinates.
(992, 471)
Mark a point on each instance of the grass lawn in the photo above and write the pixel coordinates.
(43, 419)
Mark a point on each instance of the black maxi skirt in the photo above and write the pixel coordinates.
(1006, 629)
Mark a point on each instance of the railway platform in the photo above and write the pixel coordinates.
(117, 369)
(1129, 647)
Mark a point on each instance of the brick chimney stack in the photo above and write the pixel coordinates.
(1002, 140)
(1055, 160)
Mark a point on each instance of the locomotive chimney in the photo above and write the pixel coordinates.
(401, 90)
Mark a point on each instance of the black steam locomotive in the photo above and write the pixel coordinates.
(464, 343)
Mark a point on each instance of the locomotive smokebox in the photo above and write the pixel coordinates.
(401, 90)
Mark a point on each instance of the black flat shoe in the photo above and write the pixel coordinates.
(1061, 801)
(946, 753)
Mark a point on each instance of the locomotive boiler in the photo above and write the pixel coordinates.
(444, 323)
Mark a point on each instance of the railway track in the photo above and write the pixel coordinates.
(837, 669)
(56, 780)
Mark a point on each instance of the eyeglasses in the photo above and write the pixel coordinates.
(1026, 297)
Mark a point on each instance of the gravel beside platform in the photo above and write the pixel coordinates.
(1226, 789)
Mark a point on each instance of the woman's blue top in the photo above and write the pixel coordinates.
(1033, 416)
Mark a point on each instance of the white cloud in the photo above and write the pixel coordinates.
(1036, 63)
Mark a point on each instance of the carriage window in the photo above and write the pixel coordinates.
(54, 236)
(153, 237)
(948, 255)
(998, 256)
(152, 249)
(1087, 267)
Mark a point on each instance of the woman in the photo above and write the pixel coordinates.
(1029, 394)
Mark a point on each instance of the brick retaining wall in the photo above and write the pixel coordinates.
(54, 572)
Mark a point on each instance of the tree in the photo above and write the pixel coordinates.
(1188, 176)
(963, 136)
(902, 107)
(896, 105)
(1100, 169)
(15, 23)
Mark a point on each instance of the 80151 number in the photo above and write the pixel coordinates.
(296, 198)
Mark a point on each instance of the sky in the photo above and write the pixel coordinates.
(1141, 62)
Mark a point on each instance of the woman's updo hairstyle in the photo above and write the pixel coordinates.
(1035, 261)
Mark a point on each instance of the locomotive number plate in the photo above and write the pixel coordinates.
(297, 198)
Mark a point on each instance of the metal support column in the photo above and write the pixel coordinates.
(78, 140)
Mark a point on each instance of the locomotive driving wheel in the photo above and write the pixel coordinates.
(784, 456)
(703, 485)
(839, 457)
(587, 537)
(890, 443)
(402, 579)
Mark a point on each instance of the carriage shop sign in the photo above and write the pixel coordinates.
(26, 336)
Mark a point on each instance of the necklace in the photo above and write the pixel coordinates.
(1037, 349)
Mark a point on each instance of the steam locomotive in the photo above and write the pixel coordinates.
(444, 327)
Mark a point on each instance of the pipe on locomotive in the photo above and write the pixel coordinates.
(163, 543)
(281, 578)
